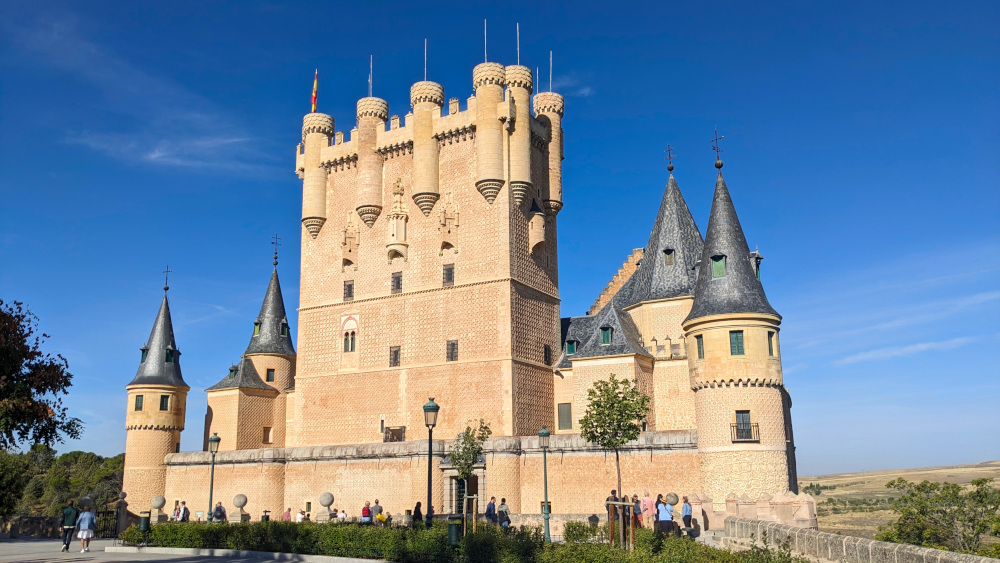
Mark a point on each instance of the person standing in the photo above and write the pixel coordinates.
(664, 515)
(648, 511)
(176, 516)
(636, 512)
(299, 516)
(87, 522)
(366, 513)
(69, 516)
(287, 516)
(376, 512)
(686, 513)
(503, 513)
(418, 515)
(185, 513)
(612, 513)
(491, 511)
(218, 513)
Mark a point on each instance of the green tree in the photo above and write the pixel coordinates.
(466, 452)
(944, 515)
(31, 384)
(614, 410)
(14, 477)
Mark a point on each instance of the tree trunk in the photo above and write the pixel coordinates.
(620, 512)
(465, 504)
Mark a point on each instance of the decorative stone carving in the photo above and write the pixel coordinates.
(157, 515)
(349, 243)
(396, 247)
(449, 221)
(489, 188)
(324, 514)
(239, 515)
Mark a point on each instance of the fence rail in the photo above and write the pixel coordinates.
(746, 432)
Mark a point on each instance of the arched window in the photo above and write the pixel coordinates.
(352, 341)
(347, 342)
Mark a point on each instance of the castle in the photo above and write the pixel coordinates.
(429, 269)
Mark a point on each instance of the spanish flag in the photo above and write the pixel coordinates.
(315, 85)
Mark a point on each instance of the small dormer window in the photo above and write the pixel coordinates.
(284, 329)
(571, 346)
(232, 372)
(718, 266)
(668, 256)
(756, 265)
(170, 356)
(256, 329)
(143, 358)
(605, 335)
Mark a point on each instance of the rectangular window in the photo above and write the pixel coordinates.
(770, 343)
(393, 356)
(164, 402)
(453, 350)
(571, 346)
(605, 335)
(397, 282)
(348, 290)
(170, 356)
(270, 376)
(177, 448)
(267, 435)
(547, 354)
(668, 257)
(700, 342)
(743, 429)
(565, 416)
(309, 507)
(718, 266)
(284, 330)
(736, 342)
(138, 401)
(256, 329)
(448, 275)
(143, 359)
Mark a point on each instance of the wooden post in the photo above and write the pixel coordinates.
(475, 514)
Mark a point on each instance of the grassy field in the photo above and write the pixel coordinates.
(857, 503)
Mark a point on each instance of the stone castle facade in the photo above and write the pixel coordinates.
(429, 269)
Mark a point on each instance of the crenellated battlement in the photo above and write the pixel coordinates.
(426, 91)
(519, 76)
(488, 73)
(549, 102)
(373, 107)
(317, 123)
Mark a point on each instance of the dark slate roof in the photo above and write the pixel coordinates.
(271, 318)
(155, 370)
(625, 336)
(580, 329)
(739, 291)
(243, 376)
(673, 229)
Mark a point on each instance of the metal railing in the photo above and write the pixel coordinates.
(746, 432)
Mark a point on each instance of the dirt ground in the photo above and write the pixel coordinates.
(861, 499)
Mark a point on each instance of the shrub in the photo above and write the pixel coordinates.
(579, 532)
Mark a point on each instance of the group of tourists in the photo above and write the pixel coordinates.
(181, 513)
(659, 515)
(498, 514)
(73, 519)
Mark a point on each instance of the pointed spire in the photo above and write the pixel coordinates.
(727, 280)
(160, 363)
(674, 247)
(271, 333)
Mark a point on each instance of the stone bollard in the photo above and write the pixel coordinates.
(121, 513)
(239, 515)
(158, 515)
(324, 514)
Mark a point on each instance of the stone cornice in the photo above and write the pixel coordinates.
(738, 382)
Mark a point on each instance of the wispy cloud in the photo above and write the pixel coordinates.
(161, 122)
(571, 86)
(900, 351)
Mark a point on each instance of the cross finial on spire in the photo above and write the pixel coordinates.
(276, 243)
(669, 158)
(166, 277)
(717, 149)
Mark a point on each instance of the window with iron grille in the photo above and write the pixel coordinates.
(770, 343)
(736, 342)
(348, 290)
(138, 402)
(270, 376)
(393, 356)
(547, 354)
(453, 350)
(397, 282)
(718, 266)
(448, 275)
(700, 342)
(744, 430)
(565, 416)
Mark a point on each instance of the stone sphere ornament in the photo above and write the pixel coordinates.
(122, 495)
(325, 500)
(672, 498)
(239, 501)
(158, 502)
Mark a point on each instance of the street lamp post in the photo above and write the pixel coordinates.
(430, 420)
(543, 441)
(213, 448)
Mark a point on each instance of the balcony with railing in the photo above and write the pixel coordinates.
(394, 434)
(743, 432)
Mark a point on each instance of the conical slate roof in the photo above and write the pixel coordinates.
(625, 336)
(243, 376)
(674, 247)
(274, 335)
(739, 290)
(154, 369)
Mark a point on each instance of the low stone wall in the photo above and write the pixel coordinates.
(833, 547)
(35, 526)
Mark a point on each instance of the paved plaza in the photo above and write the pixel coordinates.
(34, 550)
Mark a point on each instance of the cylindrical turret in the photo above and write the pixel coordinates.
(317, 129)
(519, 88)
(372, 115)
(426, 98)
(488, 82)
(549, 107)
(536, 228)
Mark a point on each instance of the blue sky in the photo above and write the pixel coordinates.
(860, 150)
